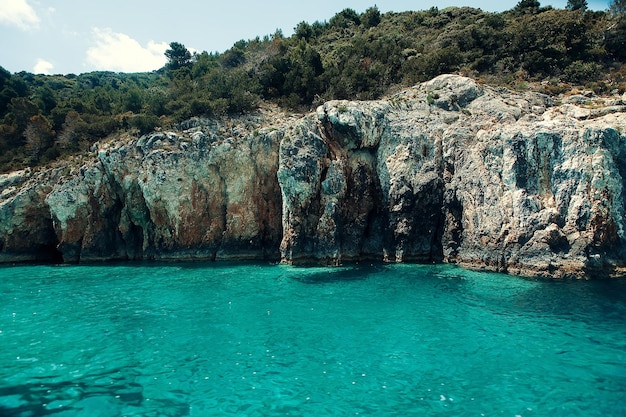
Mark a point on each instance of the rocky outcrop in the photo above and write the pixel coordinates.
(448, 170)
(208, 191)
(453, 171)
(26, 230)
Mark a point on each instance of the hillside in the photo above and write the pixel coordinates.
(351, 56)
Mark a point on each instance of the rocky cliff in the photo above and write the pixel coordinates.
(447, 171)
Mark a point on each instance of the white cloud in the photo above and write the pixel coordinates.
(18, 13)
(119, 52)
(43, 67)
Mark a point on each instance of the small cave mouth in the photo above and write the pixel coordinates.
(51, 254)
(47, 247)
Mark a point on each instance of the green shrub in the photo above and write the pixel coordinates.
(579, 72)
(145, 123)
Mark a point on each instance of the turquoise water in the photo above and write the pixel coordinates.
(260, 340)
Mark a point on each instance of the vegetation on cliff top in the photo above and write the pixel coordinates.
(351, 56)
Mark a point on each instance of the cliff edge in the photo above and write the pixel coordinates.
(446, 171)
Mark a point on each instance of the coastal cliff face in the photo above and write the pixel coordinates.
(207, 192)
(448, 170)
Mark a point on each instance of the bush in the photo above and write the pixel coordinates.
(145, 123)
(579, 72)
(200, 107)
(439, 61)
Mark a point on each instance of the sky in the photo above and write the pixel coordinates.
(77, 36)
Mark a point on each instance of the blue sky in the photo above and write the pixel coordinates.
(76, 36)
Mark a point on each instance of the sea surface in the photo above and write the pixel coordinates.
(221, 339)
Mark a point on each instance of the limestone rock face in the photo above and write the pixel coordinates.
(448, 170)
(208, 192)
(457, 172)
(26, 231)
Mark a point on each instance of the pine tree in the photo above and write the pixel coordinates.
(178, 56)
(527, 6)
(577, 5)
(371, 17)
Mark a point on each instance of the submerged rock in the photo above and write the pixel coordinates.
(448, 170)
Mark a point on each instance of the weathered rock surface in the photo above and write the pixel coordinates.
(208, 192)
(448, 170)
